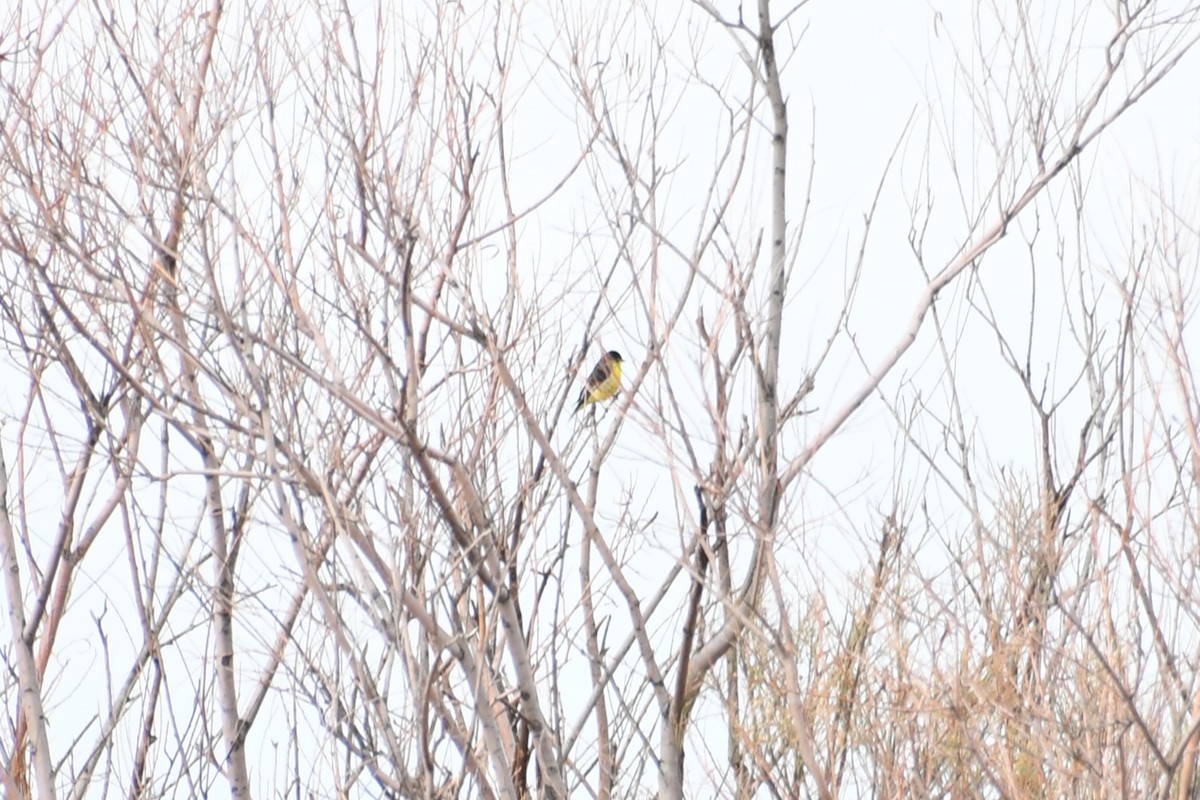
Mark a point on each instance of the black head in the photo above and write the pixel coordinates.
(613, 355)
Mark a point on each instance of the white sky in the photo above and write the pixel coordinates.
(867, 76)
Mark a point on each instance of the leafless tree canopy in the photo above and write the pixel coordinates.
(899, 497)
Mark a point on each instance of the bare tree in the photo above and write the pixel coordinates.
(295, 306)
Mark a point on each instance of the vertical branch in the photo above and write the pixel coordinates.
(223, 562)
(768, 409)
(681, 699)
(27, 673)
(768, 389)
(604, 742)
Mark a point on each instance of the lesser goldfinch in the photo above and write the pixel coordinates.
(604, 382)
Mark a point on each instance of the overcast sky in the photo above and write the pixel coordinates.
(868, 84)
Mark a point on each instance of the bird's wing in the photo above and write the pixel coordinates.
(599, 374)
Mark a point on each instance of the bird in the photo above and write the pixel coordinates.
(604, 382)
